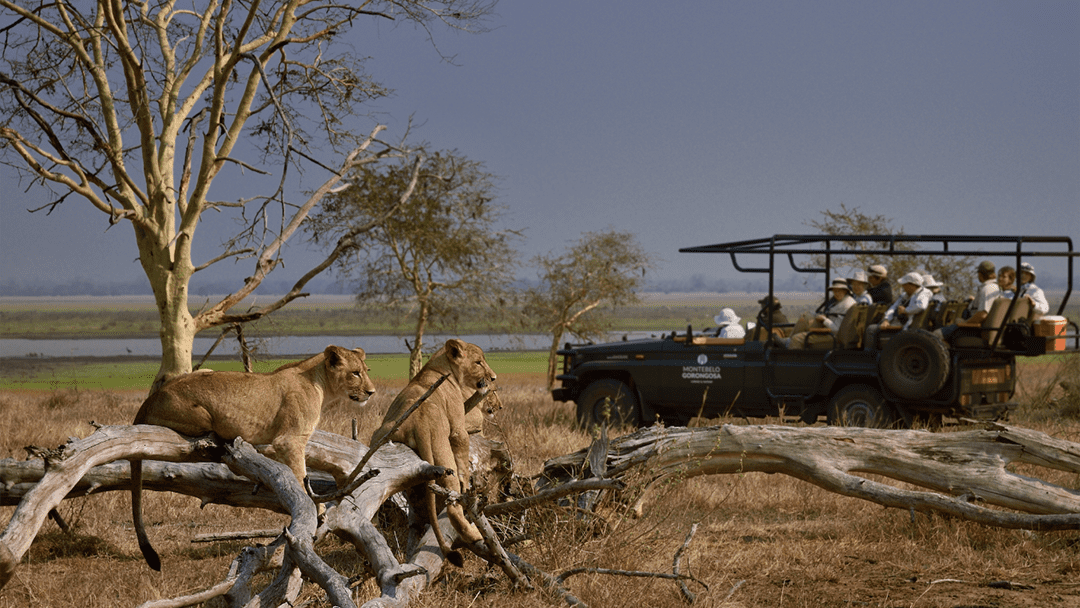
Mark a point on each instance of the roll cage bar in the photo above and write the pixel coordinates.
(790, 245)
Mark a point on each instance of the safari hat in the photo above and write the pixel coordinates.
(929, 281)
(878, 270)
(1025, 267)
(726, 317)
(774, 304)
(987, 267)
(840, 284)
(913, 278)
(859, 276)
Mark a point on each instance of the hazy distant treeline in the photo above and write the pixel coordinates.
(693, 284)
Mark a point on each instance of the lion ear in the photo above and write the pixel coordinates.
(333, 355)
(455, 348)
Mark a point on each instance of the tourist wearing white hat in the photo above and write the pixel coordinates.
(915, 299)
(1031, 291)
(858, 283)
(728, 326)
(930, 283)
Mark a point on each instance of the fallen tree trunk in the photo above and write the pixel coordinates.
(960, 468)
(955, 468)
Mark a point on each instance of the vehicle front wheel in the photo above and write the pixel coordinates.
(607, 400)
(862, 406)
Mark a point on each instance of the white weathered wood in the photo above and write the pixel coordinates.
(67, 465)
(959, 468)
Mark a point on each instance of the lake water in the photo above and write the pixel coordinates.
(284, 346)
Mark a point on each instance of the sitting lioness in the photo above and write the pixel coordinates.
(437, 430)
(280, 409)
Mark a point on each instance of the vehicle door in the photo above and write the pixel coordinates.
(704, 377)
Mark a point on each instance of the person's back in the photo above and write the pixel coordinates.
(770, 311)
(985, 294)
(728, 323)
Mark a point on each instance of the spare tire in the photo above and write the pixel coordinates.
(914, 364)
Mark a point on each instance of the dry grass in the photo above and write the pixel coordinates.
(792, 543)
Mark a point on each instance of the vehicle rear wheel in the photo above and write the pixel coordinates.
(914, 364)
(862, 406)
(607, 400)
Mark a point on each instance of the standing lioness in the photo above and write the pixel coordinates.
(280, 409)
(438, 432)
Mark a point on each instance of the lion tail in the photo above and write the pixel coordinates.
(454, 557)
(147, 549)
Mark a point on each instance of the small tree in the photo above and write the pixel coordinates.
(137, 108)
(956, 272)
(602, 268)
(441, 252)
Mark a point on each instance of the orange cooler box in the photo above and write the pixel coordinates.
(1051, 328)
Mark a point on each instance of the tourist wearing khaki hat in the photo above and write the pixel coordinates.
(770, 310)
(858, 283)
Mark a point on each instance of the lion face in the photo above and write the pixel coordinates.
(472, 369)
(491, 403)
(347, 375)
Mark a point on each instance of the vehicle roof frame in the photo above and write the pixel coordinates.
(790, 245)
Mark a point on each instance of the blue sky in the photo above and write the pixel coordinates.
(692, 123)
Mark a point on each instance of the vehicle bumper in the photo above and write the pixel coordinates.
(987, 411)
(561, 394)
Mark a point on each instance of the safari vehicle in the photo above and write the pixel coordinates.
(855, 377)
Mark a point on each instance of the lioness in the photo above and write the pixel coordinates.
(479, 405)
(281, 409)
(437, 430)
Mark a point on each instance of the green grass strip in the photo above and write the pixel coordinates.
(44, 375)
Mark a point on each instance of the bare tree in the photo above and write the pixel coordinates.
(441, 254)
(602, 268)
(139, 108)
(956, 272)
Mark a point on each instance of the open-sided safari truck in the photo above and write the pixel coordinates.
(854, 377)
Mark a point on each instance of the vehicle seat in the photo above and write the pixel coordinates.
(950, 313)
(848, 335)
(877, 312)
(993, 323)
(922, 320)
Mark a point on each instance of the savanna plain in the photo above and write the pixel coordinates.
(762, 540)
